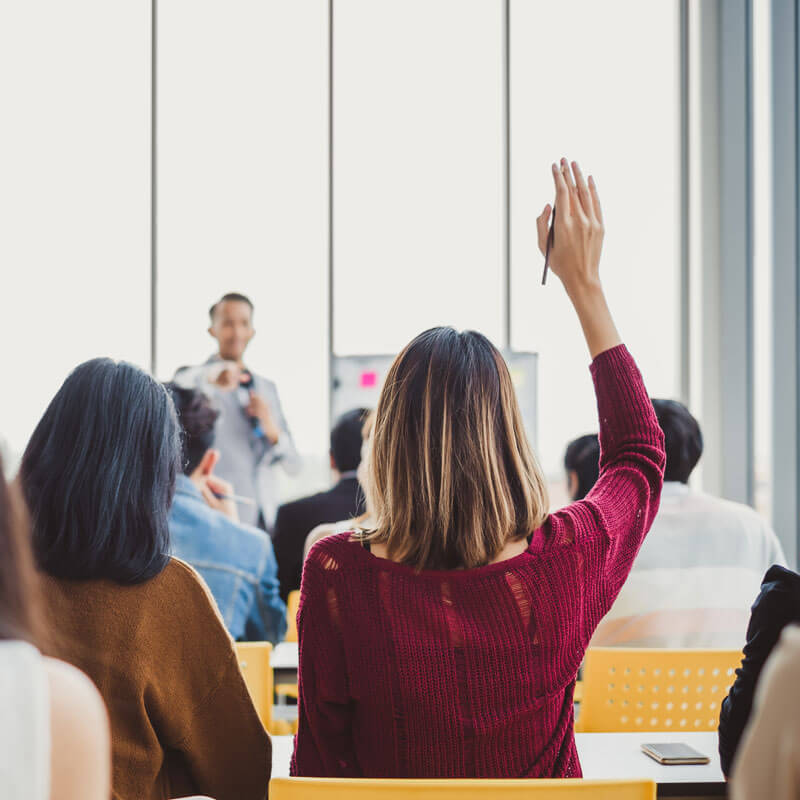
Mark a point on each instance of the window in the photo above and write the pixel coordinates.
(611, 101)
(418, 170)
(74, 197)
(762, 258)
(242, 192)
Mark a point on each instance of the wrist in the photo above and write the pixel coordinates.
(584, 289)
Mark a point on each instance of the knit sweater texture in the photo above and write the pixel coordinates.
(470, 673)
(182, 721)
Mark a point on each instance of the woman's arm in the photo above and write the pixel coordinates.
(198, 701)
(323, 746)
(80, 753)
(625, 498)
(225, 746)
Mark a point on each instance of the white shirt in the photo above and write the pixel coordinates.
(24, 723)
(696, 576)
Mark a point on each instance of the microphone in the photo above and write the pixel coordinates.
(245, 386)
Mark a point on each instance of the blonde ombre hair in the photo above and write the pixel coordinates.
(452, 478)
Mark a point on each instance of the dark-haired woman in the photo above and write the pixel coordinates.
(54, 739)
(445, 642)
(99, 475)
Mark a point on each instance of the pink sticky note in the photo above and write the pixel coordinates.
(369, 380)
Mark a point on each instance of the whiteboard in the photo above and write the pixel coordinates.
(356, 382)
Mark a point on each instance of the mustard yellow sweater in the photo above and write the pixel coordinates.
(182, 721)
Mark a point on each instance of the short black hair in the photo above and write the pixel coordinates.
(234, 297)
(683, 439)
(197, 418)
(346, 439)
(583, 458)
(99, 475)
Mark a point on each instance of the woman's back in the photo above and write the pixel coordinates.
(470, 673)
(166, 667)
(452, 656)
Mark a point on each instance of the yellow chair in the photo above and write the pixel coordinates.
(292, 604)
(460, 789)
(654, 690)
(254, 661)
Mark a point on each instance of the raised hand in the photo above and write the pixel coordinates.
(578, 240)
(575, 252)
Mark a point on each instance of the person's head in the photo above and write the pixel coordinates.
(452, 477)
(197, 418)
(99, 475)
(346, 440)
(231, 319)
(683, 440)
(582, 463)
(19, 606)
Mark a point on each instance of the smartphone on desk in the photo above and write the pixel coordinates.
(674, 753)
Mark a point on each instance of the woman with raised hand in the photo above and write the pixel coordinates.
(445, 641)
(54, 738)
(99, 476)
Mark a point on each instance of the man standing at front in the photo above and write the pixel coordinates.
(252, 435)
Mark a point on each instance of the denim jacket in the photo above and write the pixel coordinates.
(235, 560)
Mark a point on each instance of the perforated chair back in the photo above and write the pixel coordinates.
(654, 690)
(292, 604)
(461, 789)
(254, 661)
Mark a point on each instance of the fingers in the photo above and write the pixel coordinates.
(598, 212)
(211, 499)
(574, 202)
(562, 190)
(583, 191)
(542, 229)
(218, 485)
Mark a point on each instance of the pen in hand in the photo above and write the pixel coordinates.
(235, 497)
(551, 236)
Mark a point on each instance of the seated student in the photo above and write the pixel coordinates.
(445, 642)
(582, 464)
(54, 738)
(768, 763)
(777, 605)
(99, 476)
(697, 574)
(235, 560)
(350, 523)
(295, 520)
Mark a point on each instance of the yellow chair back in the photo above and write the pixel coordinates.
(460, 789)
(254, 661)
(292, 604)
(628, 689)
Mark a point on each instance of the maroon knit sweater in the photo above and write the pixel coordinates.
(470, 673)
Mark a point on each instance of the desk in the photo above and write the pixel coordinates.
(618, 755)
(611, 755)
(284, 661)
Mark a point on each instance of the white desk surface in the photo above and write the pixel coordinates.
(602, 755)
(285, 656)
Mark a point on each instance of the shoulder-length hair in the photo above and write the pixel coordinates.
(99, 475)
(20, 609)
(452, 477)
